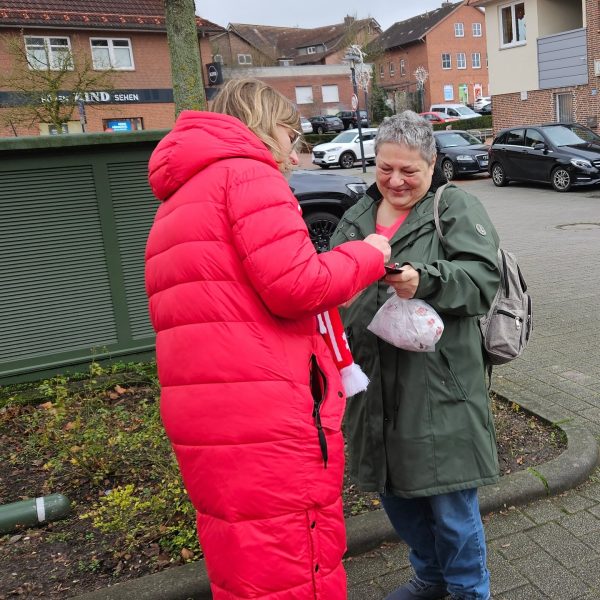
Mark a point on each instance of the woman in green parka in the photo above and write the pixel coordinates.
(422, 434)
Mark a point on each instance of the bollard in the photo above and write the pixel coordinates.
(32, 512)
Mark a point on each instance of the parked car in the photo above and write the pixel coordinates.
(324, 198)
(486, 109)
(436, 117)
(344, 149)
(306, 125)
(562, 154)
(460, 153)
(326, 123)
(481, 102)
(459, 111)
(348, 118)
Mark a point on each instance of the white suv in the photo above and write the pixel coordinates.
(344, 149)
(458, 111)
(481, 102)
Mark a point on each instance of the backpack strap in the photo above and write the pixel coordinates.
(436, 212)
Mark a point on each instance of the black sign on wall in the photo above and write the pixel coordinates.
(214, 73)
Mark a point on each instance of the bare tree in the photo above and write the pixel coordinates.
(186, 69)
(47, 84)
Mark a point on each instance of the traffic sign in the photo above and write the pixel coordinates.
(354, 101)
(213, 74)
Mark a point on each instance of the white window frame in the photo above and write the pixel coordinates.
(304, 94)
(244, 59)
(111, 54)
(48, 49)
(448, 62)
(476, 60)
(402, 68)
(392, 69)
(381, 71)
(311, 50)
(514, 41)
(459, 30)
(448, 97)
(477, 30)
(330, 93)
(461, 60)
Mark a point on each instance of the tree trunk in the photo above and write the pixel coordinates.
(182, 34)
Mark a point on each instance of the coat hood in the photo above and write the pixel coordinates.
(198, 140)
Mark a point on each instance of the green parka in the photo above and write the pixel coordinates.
(424, 426)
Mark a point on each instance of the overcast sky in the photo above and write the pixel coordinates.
(310, 13)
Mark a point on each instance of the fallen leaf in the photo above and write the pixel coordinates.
(120, 390)
(186, 554)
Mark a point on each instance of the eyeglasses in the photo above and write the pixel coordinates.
(296, 139)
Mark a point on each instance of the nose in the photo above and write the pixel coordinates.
(396, 179)
(294, 159)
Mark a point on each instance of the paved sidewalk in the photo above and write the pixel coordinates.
(539, 547)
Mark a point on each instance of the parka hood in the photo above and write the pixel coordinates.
(199, 139)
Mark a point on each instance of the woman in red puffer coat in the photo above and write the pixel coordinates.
(235, 286)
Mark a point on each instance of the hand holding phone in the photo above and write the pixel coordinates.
(393, 268)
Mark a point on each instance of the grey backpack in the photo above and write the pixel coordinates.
(507, 326)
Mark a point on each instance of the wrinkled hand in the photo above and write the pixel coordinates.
(405, 283)
(381, 243)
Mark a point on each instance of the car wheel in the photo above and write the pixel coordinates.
(498, 175)
(448, 169)
(561, 179)
(319, 129)
(321, 226)
(347, 160)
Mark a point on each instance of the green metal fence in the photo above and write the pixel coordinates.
(75, 212)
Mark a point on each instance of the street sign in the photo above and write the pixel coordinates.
(354, 101)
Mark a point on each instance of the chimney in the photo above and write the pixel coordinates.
(446, 3)
(348, 20)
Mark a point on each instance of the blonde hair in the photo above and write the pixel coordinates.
(261, 109)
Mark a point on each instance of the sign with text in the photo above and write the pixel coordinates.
(144, 96)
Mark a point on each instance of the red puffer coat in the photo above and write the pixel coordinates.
(234, 286)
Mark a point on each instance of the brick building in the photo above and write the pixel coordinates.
(265, 45)
(447, 43)
(544, 61)
(130, 35)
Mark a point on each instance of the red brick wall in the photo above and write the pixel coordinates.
(442, 39)
(152, 70)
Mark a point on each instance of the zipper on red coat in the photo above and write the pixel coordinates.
(319, 392)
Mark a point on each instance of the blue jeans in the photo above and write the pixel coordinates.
(446, 540)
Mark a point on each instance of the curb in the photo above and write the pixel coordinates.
(368, 531)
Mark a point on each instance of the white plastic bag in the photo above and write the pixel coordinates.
(408, 324)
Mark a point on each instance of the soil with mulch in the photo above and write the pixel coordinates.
(62, 559)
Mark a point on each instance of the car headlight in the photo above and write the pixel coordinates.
(582, 163)
(334, 149)
(465, 158)
(357, 188)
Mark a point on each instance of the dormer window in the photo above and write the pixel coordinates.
(311, 50)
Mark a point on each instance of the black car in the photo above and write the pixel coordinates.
(324, 198)
(562, 154)
(326, 123)
(460, 153)
(348, 118)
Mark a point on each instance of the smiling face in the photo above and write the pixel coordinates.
(403, 176)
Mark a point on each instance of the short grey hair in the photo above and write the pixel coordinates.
(408, 129)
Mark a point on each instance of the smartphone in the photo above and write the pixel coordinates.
(393, 268)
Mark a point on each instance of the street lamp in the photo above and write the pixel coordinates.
(354, 56)
(421, 76)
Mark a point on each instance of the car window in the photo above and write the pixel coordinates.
(465, 110)
(584, 133)
(346, 137)
(560, 135)
(453, 113)
(532, 137)
(367, 136)
(456, 138)
(515, 137)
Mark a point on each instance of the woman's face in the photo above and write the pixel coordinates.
(287, 139)
(403, 176)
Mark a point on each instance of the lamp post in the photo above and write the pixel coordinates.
(421, 76)
(353, 56)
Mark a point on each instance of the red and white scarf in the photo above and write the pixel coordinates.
(332, 329)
